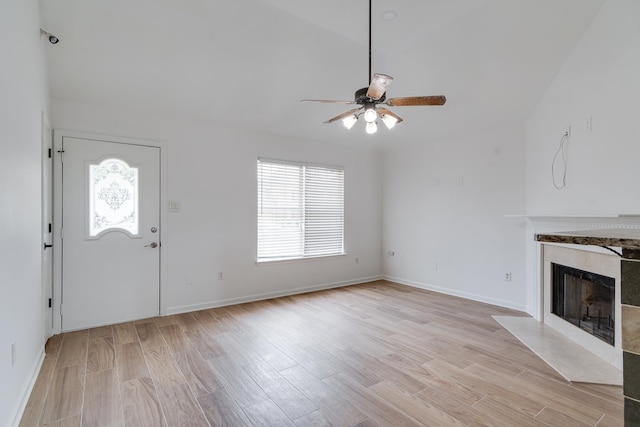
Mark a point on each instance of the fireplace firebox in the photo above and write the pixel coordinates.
(585, 299)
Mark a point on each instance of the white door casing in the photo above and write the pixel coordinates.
(47, 224)
(109, 273)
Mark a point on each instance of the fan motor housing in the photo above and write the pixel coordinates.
(362, 98)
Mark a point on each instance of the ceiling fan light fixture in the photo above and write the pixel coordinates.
(370, 114)
(349, 121)
(373, 99)
(371, 128)
(389, 121)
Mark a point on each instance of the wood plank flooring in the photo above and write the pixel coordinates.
(371, 355)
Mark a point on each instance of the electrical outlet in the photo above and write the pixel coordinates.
(507, 276)
(220, 275)
(13, 354)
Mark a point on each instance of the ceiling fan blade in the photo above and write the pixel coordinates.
(387, 112)
(343, 115)
(328, 101)
(416, 100)
(378, 86)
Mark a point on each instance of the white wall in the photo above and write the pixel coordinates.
(600, 80)
(599, 83)
(24, 96)
(212, 172)
(444, 206)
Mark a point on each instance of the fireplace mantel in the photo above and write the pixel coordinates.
(629, 241)
(609, 237)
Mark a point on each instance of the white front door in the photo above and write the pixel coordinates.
(110, 232)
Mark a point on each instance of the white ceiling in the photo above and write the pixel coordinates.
(250, 62)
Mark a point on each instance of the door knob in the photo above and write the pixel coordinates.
(151, 245)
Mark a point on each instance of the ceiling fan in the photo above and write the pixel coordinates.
(370, 98)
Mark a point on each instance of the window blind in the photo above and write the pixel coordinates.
(300, 210)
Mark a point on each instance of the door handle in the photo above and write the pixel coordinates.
(151, 245)
(47, 246)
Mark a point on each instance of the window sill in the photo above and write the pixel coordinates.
(300, 259)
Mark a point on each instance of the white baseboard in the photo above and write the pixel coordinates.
(267, 295)
(26, 392)
(447, 291)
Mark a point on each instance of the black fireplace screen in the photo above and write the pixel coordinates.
(585, 299)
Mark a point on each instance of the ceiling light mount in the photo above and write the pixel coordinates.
(389, 15)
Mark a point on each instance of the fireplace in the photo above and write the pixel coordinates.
(587, 277)
(584, 299)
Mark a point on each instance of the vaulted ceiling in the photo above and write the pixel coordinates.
(249, 63)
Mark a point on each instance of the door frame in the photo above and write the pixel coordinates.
(46, 136)
(58, 137)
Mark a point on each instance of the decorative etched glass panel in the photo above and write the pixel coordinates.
(113, 197)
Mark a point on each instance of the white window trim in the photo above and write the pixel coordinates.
(306, 221)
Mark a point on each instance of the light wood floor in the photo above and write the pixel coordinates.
(378, 354)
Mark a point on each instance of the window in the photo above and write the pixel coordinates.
(300, 210)
(113, 197)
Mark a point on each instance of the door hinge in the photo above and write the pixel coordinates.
(49, 152)
(49, 227)
(49, 302)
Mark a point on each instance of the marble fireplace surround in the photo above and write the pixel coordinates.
(628, 240)
(575, 354)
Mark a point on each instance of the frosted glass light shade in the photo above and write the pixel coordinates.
(349, 121)
(371, 128)
(389, 121)
(370, 115)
